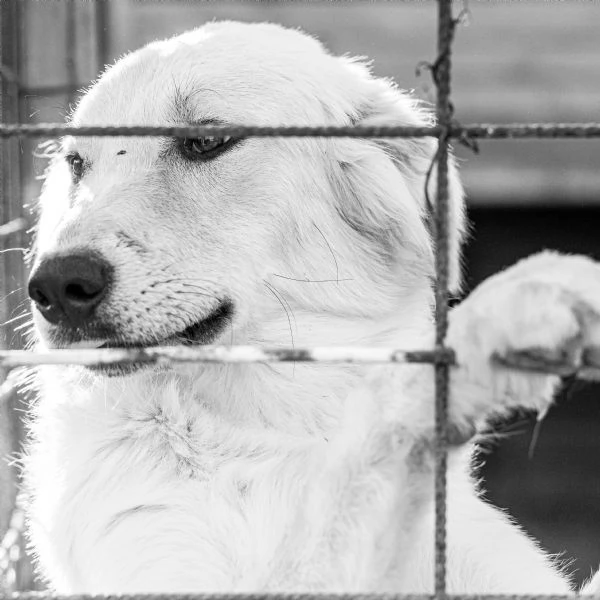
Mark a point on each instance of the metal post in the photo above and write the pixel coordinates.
(444, 116)
(10, 207)
(70, 40)
(102, 13)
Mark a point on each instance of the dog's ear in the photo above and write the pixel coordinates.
(382, 182)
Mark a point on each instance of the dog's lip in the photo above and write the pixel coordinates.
(204, 331)
(207, 329)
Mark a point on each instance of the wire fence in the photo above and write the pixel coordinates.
(277, 596)
(441, 357)
(476, 131)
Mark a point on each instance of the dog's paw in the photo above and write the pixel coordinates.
(519, 331)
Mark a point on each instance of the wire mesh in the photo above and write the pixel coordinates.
(480, 131)
(276, 596)
(441, 357)
(441, 76)
(10, 212)
(11, 359)
(284, 596)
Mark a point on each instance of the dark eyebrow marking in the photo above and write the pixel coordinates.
(121, 152)
(182, 108)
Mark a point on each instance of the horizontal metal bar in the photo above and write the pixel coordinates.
(11, 359)
(588, 368)
(183, 131)
(528, 131)
(489, 131)
(287, 596)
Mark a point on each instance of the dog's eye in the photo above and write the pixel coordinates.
(205, 148)
(76, 163)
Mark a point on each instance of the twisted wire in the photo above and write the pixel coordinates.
(477, 130)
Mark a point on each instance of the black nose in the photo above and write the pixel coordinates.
(68, 287)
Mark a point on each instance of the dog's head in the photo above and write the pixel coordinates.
(146, 241)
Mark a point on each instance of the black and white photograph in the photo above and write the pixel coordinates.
(299, 299)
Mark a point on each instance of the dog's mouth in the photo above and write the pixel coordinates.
(201, 332)
(204, 331)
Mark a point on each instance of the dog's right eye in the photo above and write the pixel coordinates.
(76, 164)
(205, 148)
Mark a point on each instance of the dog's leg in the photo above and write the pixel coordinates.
(373, 498)
(545, 311)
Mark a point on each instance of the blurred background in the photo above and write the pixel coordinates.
(513, 62)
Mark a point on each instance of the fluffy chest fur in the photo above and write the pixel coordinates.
(155, 464)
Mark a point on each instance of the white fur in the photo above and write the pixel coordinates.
(279, 477)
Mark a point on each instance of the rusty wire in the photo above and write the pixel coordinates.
(441, 76)
(584, 369)
(10, 359)
(288, 596)
(453, 131)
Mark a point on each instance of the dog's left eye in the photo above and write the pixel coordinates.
(205, 148)
(76, 164)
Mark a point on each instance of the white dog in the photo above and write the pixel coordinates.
(305, 477)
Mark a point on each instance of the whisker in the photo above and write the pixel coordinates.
(180, 278)
(181, 302)
(188, 298)
(285, 301)
(186, 283)
(29, 343)
(23, 305)
(281, 301)
(181, 282)
(193, 281)
(192, 294)
(312, 280)
(337, 269)
(19, 289)
(196, 293)
(21, 316)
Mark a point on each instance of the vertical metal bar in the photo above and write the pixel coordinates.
(10, 207)
(12, 269)
(71, 51)
(102, 9)
(444, 115)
